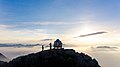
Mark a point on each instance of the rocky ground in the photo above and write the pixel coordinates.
(53, 58)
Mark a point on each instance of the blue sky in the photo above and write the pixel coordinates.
(32, 20)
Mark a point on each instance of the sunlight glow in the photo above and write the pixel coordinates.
(89, 40)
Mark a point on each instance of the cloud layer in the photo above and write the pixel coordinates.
(96, 33)
(46, 39)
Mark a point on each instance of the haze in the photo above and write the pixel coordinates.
(43, 21)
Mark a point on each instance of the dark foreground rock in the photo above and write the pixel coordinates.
(53, 58)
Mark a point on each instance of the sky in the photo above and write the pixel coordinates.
(31, 21)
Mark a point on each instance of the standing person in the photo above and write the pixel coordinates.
(42, 47)
(50, 46)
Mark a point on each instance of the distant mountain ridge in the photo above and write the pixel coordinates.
(53, 58)
(3, 57)
(19, 45)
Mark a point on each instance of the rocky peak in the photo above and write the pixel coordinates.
(55, 58)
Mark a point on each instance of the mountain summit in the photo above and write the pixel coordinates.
(54, 58)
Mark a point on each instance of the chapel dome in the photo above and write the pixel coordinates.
(57, 44)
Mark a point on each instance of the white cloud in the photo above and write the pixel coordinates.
(53, 23)
(2, 26)
(9, 35)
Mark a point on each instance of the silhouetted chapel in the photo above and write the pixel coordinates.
(57, 44)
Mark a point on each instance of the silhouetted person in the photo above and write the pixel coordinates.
(42, 47)
(50, 46)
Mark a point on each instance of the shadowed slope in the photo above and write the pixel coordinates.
(3, 57)
(54, 58)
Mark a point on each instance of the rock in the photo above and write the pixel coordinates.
(54, 58)
(3, 58)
